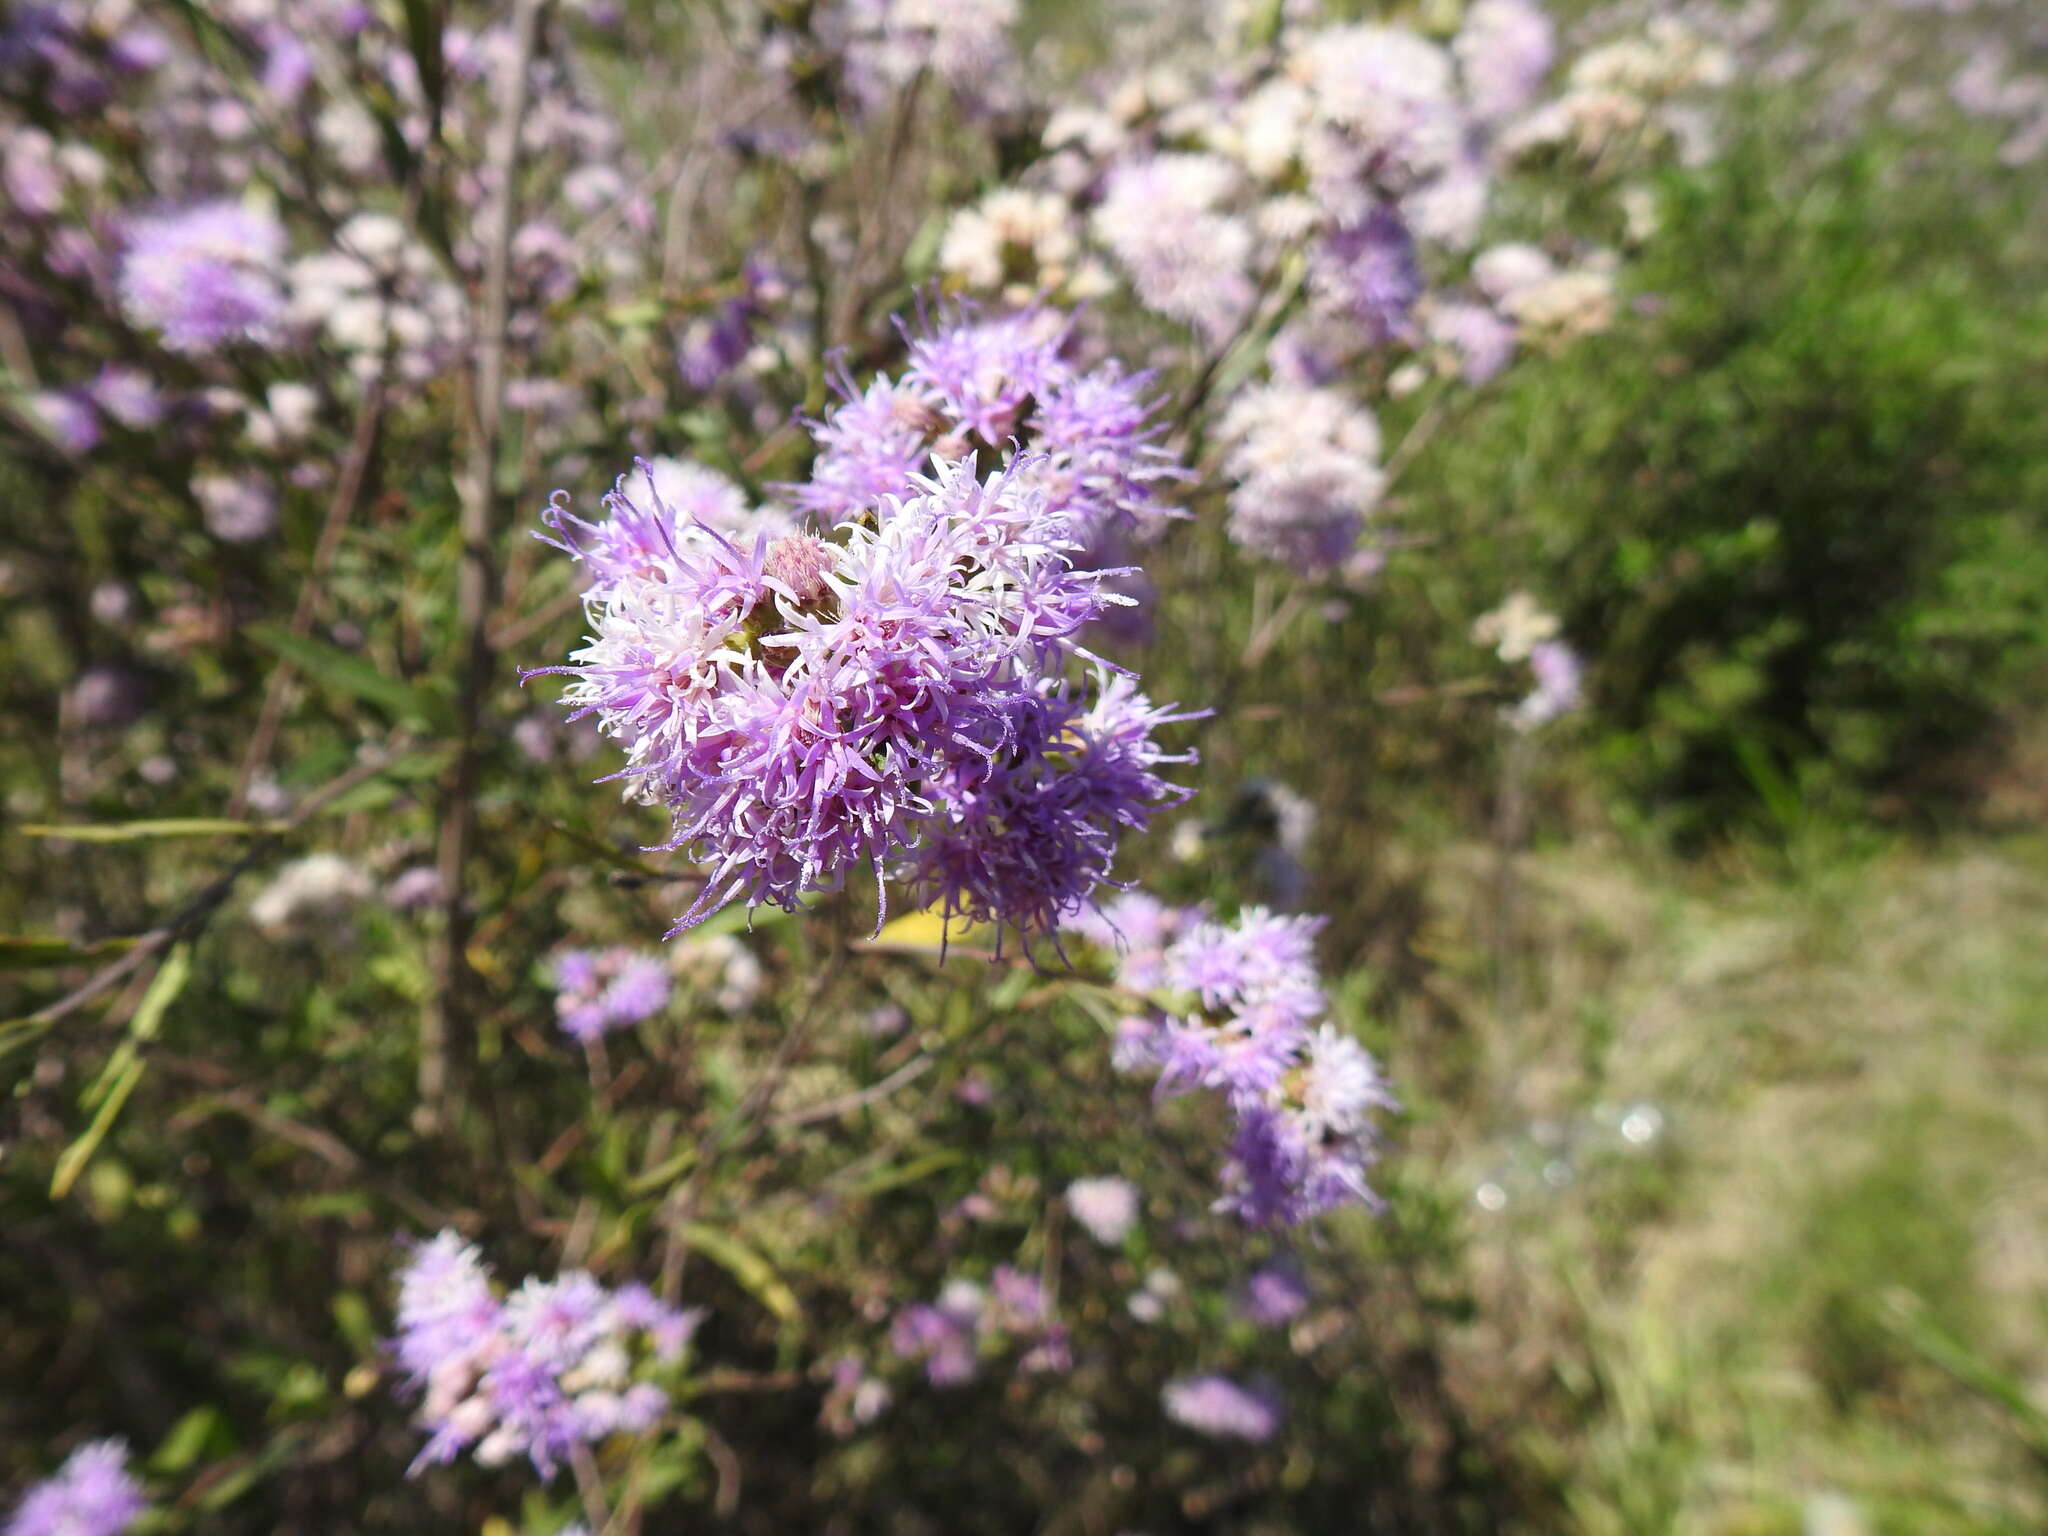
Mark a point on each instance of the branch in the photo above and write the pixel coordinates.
(448, 999)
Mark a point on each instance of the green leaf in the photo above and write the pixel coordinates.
(124, 1069)
(135, 831)
(347, 673)
(754, 1273)
(423, 25)
(22, 954)
(201, 1431)
(906, 1173)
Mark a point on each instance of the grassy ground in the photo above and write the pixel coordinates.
(1809, 1295)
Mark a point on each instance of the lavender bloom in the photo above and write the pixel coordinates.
(107, 696)
(1162, 219)
(1107, 1208)
(1025, 837)
(598, 991)
(1138, 928)
(66, 417)
(1483, 341)
(892, 695)
(1306, 463)
(1303, 1094)
(1218, 1407)
(1558, 672)
(1370, 269)
(205, 277)
(1504, 49)
(415, 890)
(238, 509)
(536, 1374)
(128, 396)
(1273, 1295)
(92, 1494)
(942, 1337)
(947, 1337)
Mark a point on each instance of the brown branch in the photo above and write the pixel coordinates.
(449, 998)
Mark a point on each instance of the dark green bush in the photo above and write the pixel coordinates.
(1790, 507)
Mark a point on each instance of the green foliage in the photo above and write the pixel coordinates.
(1791, 508)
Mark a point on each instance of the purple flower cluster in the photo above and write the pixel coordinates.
(1220, 1408)
(1238, 1011)
(537, 1373)
(600, 990)
(205, 277)
(983, 386)
(1558, 672)
(895, 692)
(92, 1494)
(949, 1337)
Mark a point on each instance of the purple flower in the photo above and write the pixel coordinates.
(66, 417)
(92, 1494)
(1302, 1093)
(1138, 928)
(1483, 340)
(1026, 834)
(942, 1337)
(107, 696)
(598, 991)
(237, 509)
(1273, 1295)
(128, 396)
(804, 706)
(1218, 1407)
(415, 890)
(535, 1375)
(1558, 674)
(204, 277)
(1504, 49)
(1369, 268)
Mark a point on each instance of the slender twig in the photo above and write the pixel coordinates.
(190, 918)
(590, 1487)
(759, 1101)
(348, 490)
(448, 998)
(846, 1103)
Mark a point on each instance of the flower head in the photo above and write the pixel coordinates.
(205, 277)
(92, 1494)
(536, 1374)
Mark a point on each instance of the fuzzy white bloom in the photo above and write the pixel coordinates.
(1341, 1086)
(1572, 304)
(317, 888)
(1504, 48)
(1592, 123)
(1306, 463)
(1515, 628)
(237, 509)
(697, 492)
(1390, 90)
(349, 133)
(1161, 218)
(1106, 1207)
(1013, 239)
(1504, 270)
(1267, 132)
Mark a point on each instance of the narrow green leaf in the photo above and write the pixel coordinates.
(136, 831)
(754, 1273)
(25, 954)
(124, 1070)
(346, 673)
(188, 1440)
